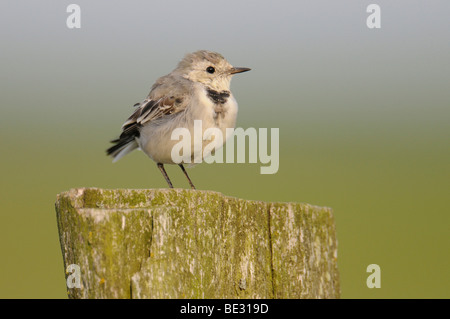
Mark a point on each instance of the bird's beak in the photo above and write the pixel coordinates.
(238, 70)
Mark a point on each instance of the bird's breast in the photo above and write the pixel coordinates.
(218, 97)
(156, 138)
(215, 108)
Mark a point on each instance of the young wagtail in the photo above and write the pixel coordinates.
(198, 89)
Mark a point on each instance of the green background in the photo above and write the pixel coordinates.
(363, 117)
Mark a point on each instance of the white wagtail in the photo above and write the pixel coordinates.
(198, 89)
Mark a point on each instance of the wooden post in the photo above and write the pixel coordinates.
(178, 243)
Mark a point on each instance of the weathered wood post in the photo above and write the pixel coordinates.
(177, 243)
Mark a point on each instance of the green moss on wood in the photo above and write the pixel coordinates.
(196, 244)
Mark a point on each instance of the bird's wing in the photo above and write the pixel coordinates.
(166, 97)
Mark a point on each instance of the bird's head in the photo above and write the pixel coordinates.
(208, 68)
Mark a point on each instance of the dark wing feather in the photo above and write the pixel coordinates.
(168, 96)
(151, 110)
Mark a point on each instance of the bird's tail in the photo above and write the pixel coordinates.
(122, 147)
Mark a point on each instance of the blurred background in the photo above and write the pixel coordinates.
(363, 116)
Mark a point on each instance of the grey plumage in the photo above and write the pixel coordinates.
(198, 89)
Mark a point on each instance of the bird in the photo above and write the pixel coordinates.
(197, 89)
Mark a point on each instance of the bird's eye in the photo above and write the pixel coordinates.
(210, 69)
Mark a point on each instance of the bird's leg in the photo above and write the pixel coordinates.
(163, 171)
(185, 173)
